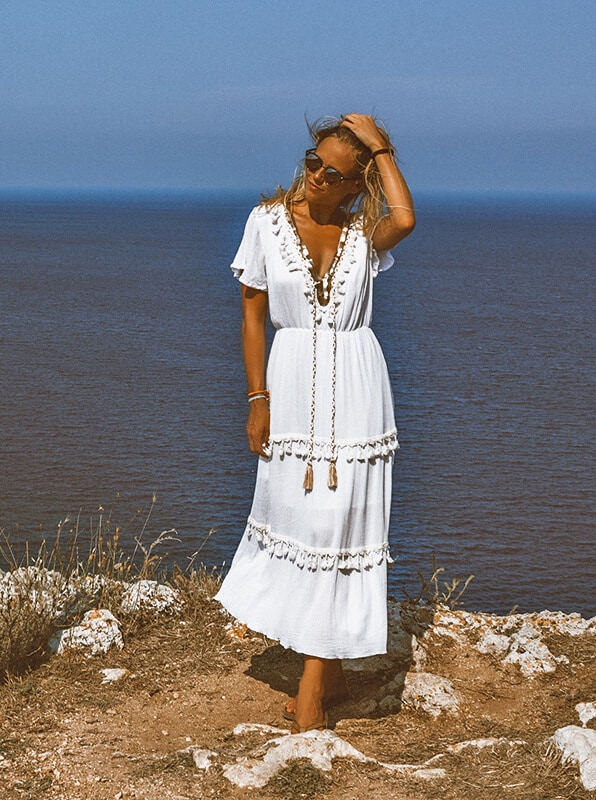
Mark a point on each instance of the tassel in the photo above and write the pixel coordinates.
(332, 482)
(308, 478)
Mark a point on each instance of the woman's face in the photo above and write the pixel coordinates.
(339, 155)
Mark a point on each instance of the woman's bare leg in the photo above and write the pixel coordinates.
(309, 700)
(336, 688)
(334, 685)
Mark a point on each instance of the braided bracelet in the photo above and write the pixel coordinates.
(376, 153)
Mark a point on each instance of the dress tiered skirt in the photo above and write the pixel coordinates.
(311, 569)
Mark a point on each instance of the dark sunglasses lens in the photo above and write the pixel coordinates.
(312, 162)
(332, 176)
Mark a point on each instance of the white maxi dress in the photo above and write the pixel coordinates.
(311, 568)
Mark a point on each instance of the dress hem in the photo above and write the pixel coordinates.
(295, 646)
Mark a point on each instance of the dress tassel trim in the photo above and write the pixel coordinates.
(324, 450)
(332, 481)
(309, 478)
(315, 558)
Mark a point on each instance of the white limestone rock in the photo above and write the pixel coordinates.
(430, 693)
(43, 590)
(481, 744)
(115, 674)
(452, 625)
(578, 745)
(419, 655)
(413, 631)
(151, 596)
(202, 759)
(319, 747)
(569, 624)
(97, 633)
(493, 644)
(49, 593)
(586, 712)
(531, 655)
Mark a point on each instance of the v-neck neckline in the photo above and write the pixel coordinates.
(305, 252)
(322, 287)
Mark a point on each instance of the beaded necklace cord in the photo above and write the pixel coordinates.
(321, 294)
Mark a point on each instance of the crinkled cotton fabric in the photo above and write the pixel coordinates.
(311, 568)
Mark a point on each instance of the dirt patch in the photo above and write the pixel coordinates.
(65, 735)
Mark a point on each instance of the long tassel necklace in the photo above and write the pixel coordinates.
(320, 294)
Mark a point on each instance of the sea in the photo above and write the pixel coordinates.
(123, 394)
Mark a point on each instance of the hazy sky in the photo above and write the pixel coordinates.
(478, 94)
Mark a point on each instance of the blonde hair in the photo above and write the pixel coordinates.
(369, 203)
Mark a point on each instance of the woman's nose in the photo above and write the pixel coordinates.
(319, 174)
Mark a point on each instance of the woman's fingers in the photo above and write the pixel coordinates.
(365, 128)
(257, 429)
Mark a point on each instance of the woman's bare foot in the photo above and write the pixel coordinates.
(335, 689)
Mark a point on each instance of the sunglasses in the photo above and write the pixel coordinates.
(331, 176)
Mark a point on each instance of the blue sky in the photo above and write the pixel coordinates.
(491, 96)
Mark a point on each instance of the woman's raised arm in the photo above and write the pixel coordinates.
(401, 218)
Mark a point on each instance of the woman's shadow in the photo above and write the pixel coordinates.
(376, 684)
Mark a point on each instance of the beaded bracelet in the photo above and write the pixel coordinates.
(259, 396)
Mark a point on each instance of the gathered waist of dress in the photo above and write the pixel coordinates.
(325, 330)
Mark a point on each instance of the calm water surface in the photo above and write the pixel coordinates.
(122, 376)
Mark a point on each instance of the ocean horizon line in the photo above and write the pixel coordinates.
(435, 200)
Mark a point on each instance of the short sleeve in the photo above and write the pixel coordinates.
(249, 262)
(381, 260)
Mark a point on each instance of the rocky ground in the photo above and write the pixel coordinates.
(464, 706)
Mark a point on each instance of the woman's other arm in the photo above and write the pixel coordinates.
(254, 317)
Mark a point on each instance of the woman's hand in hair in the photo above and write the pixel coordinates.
(365, 128)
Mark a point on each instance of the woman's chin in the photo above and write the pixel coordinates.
(313, 192)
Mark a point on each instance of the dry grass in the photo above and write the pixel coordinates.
(189, 681)
(85, 566)
(298, 780)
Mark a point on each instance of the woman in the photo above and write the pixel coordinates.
(311, 569)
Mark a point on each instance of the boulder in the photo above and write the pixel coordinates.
(530, 653)
(578, 745)
(150, 596)
(430, 693)
(97, 632)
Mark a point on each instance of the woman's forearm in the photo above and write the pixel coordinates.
(253, 348)
(254, 318)
(401, 216)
